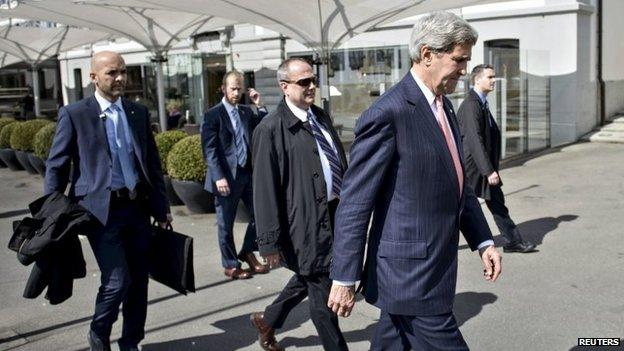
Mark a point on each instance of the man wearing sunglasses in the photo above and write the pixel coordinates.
(298, 167)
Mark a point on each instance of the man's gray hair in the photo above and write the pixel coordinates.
(440, 31)
(284, 68)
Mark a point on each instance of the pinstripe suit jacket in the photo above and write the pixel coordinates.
(402, 172)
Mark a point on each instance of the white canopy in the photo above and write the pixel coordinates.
(320, 25)
(156, 29)
(35, 44)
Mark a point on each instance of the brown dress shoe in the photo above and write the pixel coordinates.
(266, 334)
(254, 265)
(236, 273)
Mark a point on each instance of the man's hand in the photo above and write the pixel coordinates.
(494, 179)
(223, 187)
(273, 260)
(492, 263)
(167, 223)
(341, 299)
(254, 96)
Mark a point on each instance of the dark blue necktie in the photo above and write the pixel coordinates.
(486, 106)
(334, 163)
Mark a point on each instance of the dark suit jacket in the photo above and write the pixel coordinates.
(401, 171)
(50, 239)
(290, 194)
(81, 139)
(482, 143)
(219, 142)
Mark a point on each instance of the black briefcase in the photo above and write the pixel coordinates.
(171, 259)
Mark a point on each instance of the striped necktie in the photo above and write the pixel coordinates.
(332, 157)
(241, 148)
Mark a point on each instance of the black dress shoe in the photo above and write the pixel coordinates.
(522, 247)
(123, 347)
(96, 343)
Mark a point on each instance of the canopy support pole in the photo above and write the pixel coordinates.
(159, 59)
(35, 87)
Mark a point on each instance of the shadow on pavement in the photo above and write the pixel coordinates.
(534, 230)
(469, 304)
(14, 213)
(88, 318)
(237, 332)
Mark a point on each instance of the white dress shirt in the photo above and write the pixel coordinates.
(327, 174)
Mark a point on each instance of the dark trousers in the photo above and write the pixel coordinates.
(316, 288)
(398, 332)
(240, 189)
(499, 211)
(121, 250)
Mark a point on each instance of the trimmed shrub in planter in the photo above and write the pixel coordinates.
(3, 122)
(164, 143)
(43, 141)
(22, 141)
(5, 135)
(24, 134)
(6, 153)
(187, 168)
(41, 146)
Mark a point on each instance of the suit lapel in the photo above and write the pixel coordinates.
(225, 119)
(416, 98)
(99, 124)
(135, 124)
(245, 118)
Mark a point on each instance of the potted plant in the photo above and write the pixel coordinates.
(3, 122)
(22, 141)
(6, 153)
(187, 169)
(164, 143)
(41, 147)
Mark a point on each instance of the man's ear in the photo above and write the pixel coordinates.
(426, 54)
(92, 75)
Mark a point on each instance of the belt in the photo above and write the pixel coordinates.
(123, 194)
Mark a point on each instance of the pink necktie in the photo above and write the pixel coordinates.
(450, 143)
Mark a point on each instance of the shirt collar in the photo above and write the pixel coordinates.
(229, 107)
(298, 112)
(481, 95)
(105, 104)
(429, 95)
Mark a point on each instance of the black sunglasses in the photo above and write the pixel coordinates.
(305, 82)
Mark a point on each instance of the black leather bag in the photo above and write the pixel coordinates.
(171, 259)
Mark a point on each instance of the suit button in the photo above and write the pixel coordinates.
(108, 188)
(319, 200)
(316, 175)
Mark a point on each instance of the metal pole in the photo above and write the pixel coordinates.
(160, 90)
(35, 87)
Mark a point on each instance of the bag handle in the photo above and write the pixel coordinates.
(168, 226)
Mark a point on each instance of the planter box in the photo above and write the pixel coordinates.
(8, 157)
(196, 199)
(174, 199)
(22, 157)
(37, 164)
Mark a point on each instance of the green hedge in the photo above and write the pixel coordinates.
(5, 135)
(24, 134)
(4, 121)
(164, 143)
(185, 160)
(43, 141)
